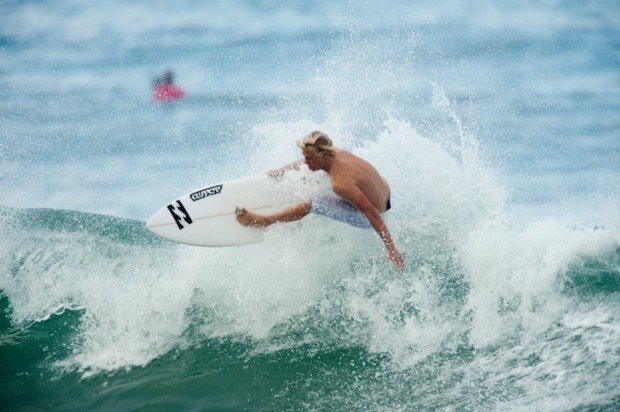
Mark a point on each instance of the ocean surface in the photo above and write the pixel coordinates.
(496, 123)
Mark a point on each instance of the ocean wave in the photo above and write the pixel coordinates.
(472, 278)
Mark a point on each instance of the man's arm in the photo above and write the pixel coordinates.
(290, 214)
(354, 195)
(280, 171)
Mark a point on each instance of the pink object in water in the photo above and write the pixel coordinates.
(167, 93)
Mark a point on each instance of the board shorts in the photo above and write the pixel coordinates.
(339, 209)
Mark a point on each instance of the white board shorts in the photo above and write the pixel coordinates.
(339, 209)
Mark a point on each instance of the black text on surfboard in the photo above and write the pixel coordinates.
(209, 191)
(176, 217)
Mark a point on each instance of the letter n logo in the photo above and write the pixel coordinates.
(178, 218)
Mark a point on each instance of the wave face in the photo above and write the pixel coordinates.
(486, 313)
(498, 139)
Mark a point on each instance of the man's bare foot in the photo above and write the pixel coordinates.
(247, 218)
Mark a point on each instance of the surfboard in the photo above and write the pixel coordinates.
(206, 216)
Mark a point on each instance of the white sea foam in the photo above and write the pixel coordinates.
(514, 274)
(445, 208)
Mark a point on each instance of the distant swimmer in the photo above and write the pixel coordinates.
(363, 194)
(164, 89)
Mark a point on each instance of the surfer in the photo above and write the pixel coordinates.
(363, 194)
(164, 89)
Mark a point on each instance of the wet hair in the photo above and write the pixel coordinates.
(168, 77)
(318, 142)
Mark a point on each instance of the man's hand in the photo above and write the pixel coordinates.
(247, 218)
(278, 173)
(394, 256)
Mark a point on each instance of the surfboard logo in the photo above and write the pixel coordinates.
(209, 191)
(178, 219)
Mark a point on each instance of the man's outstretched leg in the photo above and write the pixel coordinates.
(289, 214)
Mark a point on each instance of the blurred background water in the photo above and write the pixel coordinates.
(496, 124)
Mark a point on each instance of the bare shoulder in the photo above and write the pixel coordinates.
(355, 161)
(353, 174)
(344, 170)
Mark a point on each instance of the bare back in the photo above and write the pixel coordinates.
(348, 169)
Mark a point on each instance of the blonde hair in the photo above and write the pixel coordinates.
(318, 142)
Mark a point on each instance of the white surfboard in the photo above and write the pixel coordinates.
(206, 217)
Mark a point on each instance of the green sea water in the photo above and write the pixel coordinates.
(366, 340)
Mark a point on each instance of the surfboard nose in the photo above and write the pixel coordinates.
(155, 222)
